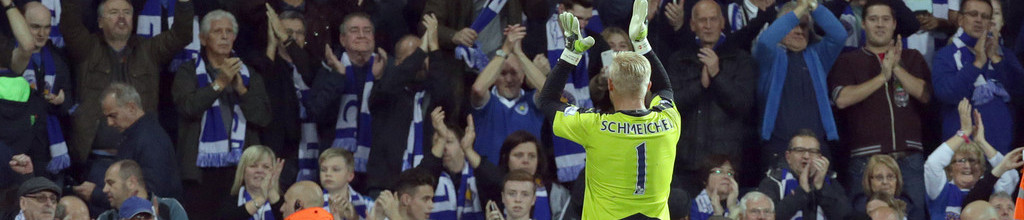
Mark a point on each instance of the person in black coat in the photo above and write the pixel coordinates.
(144, 141)
(715, 89)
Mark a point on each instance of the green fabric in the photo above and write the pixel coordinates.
(14, 89)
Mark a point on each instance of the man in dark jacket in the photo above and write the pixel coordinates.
(715, 88)
(802, 185)
(115, 55)
(51, 99)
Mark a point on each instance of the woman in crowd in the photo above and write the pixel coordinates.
(883, 178)
(953, 169)
(520, 151)
(255, 193)
(719, 188)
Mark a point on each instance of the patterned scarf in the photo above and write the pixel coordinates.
(309, 148)
(150, 23)
(789, 185)
(352, 131)
(985, 90)
(58, 147)
(359, 202)
(461, 203)
(473, 56)
(217, 148)
(414, 145)
(264, 213)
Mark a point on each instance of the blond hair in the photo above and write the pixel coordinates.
(972, 149)
(251, 155)
(338, 152)
(630, 74)
(888, 162)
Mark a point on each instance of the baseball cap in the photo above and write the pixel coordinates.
(134, 206)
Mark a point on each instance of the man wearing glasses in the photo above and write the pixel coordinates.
(803, 186)
(37, 200)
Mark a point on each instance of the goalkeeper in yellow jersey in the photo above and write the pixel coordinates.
(630, 152)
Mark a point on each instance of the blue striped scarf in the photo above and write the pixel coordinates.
(352, 131)
(217, 148)
(309, 148)
(55, 9)
(462, 203)
(473, 56)
(149, 25)
(59, 158)
(702, 207)
(359, 202)
(542, 206)
(789, 185)
(263, 213)
(414, 145)
(985, 89)
(570, 158)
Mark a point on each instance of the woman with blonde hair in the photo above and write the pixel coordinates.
(882, 178)
(255, 193)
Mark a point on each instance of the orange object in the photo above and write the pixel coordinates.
(315, 213)
(1018, 210)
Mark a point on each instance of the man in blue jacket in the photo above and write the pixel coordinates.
(787, 56)
(976, 67)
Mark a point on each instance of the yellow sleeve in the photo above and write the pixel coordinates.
(571, 123)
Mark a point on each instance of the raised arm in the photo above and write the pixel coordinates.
(660, 86)
(21, 55)
(165, 45)
(934, 167)
(550, 94)
(77, 38)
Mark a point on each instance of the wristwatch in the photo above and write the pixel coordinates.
(501, 53)
(9, 7)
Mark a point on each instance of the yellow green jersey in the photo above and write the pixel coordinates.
(630, 156)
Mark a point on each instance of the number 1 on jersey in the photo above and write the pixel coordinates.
(641, 168)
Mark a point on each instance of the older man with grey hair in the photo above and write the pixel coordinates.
(755, 206)
(144, 140)
(221, 103)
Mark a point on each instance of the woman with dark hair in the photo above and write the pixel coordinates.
(719, 188)
(520, 151)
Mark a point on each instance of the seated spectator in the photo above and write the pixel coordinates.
(74, 209)
(883, 176)
(755, 206)
(976, 67)
(255, 192)
(519, 196)
(337, 168)
(881, 85)
(979, 210)
(1004, 205)
(714, 88)
(404, 94)
(222, 103)
(137, 208)
(412, 198)
(338, 93)
(798, 183)
(124, 179)
(302, 196)
(787, 57)
(955, 168)
(720, 188)
(499, 101)
(885, 213)
(523, 152)
(37, 200)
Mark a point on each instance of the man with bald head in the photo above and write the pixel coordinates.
(715, 85)
(884, 213)
(302, 195)
(979, 210)
(74, 209)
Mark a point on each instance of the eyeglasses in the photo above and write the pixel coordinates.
(975, 14)
(889, 177)
(800, 150)
(722, 172)
(967, 161)
(761, 212)
(42, 198)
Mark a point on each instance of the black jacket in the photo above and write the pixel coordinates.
(147, 143)
(39, 149)
(830, 198)
(391, 103)
(229, 209)
(718, 118)
(284, 133)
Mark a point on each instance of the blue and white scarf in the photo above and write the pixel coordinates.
(789, 186)
(739, 15)
(264, 213)
(414, 145)
(352, 131)
(542, 206)
(216, 147)
(985, 89)
(309, 148)
(462, 203)
(570, 158)
(359, 202)
(55, 9)
(702, 207)
(473, 56)
(149, 25)
(59, 158)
